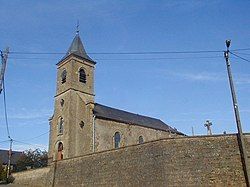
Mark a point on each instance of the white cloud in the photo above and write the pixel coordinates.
(203, 77)
(24, 118)
(199, 76)
(242, 79)
(245, 111)
(26, 114)
(22, 147)
(210, 77)
(190, 5)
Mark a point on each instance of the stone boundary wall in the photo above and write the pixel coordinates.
(181, 161)
(35, 177)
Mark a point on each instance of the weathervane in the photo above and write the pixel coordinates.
(77, 27)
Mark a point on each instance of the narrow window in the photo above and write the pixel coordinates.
(82, 75)
(63, 76)
(60, 125)
(60, 151)
(62, 102)
(117, 139)
(141, 139)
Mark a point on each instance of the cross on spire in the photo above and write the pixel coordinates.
(77, 27)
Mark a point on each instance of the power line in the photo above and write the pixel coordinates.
(241, 49)
(123, 53)
(239, 57)
(35, 53)
(157, 52)
(130, 53)
(4, 141)
(121, 59)
(38, 136)
(242, 53)
(163, 58)
(27, 58)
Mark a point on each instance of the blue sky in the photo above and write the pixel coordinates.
(183, 90)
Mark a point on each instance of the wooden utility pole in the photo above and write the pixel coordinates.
(4, 57)
(9, 160)
(237, 115)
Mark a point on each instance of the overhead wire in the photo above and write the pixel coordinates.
(163, 58)
(4, 141)
(242, 53)
(130, 53)
(121, 53)
(239, 56)
(38, 136)
(36, 53)
(241, 49)
(122, 59)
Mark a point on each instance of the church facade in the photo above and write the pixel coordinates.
(80, 126)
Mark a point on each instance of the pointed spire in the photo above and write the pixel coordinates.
(77, 47)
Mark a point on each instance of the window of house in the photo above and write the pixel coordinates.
(60, 125)
(82, 75)
(63, 76)
(141, 139)
(60, 151)
(117, 139)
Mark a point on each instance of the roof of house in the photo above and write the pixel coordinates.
(4, 156)
(77, 48)
(106, 112)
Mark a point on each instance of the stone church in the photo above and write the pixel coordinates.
(80, 126)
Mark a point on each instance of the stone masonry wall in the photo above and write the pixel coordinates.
(180, 161)
(106, 129)
(36, 177)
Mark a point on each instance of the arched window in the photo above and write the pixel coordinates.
(63, 76)
(117, 139)
(82, 75)
(141, 139)
(60, 151)
(60, 125)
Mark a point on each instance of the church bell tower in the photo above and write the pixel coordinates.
(72, 121)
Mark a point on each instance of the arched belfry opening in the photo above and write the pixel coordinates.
(82, 75)
(60, 151)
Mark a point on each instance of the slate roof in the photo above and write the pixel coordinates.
(14, 158)
(105, 112)
(77, 49)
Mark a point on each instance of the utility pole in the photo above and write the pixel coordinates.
(208, 124)
(4, 57)
(237, 115)
(9, 160)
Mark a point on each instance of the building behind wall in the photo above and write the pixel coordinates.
(4, 158)
(80, 126)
